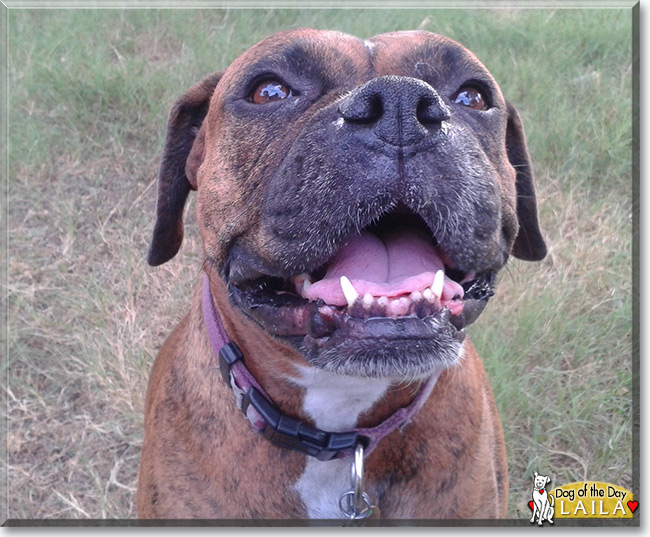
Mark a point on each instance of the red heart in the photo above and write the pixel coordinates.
(531, 504)
(633, 505)
(541, 491)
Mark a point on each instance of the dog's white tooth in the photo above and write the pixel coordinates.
(427, 294)
(416, 296)
(304, 277)
(326, 311)
(368, 299)
(382, 301)
(399, 307)
(302, 283)
(349, 291)
(438, 282)
(305, 287)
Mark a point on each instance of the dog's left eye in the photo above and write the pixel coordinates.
(471, 97)
(269, 91)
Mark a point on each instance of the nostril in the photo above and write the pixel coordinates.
(362, 108)
(376, 106)
(431, 112)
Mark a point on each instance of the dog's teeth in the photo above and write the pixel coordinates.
(326, 311)
(302, 283)
(368, 299)
(349, 291)
(305, 287)
(427, 294)
(416, 296)
(438, 282)
(399, 307)
(382, 301)
(304, 277)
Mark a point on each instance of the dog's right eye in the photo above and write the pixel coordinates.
(471, 97)
(268, 91)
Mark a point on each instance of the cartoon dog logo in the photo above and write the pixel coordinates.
(543, 502)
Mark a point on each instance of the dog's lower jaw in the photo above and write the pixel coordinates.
(400, 361)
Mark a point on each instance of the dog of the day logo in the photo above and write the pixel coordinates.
(582, 499)
(543, 503)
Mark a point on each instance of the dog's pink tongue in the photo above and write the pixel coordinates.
(403, 262)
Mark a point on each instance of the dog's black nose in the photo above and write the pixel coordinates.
(400, 110)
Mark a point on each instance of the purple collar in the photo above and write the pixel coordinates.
(284, 430)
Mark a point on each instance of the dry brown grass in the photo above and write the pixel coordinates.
(86, 318)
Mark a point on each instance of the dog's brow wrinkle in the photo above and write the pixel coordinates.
(369, 45)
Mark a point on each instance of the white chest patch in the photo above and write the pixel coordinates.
(335, 403)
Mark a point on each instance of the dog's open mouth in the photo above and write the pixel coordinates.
(389, 282)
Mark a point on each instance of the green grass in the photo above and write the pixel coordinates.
(89, 94)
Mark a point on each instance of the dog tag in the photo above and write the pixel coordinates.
(374, 513)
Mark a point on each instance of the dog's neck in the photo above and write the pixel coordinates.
(338, 404)
(327, 400)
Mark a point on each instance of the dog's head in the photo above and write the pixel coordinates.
(339, 180)
(540, 481)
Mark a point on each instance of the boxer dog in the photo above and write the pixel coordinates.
(355, 200)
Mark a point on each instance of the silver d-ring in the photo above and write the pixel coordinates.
(357, 478)
(351, 511)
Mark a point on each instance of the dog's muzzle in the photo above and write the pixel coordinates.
(386, 296)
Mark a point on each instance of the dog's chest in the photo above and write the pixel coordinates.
(335, 403)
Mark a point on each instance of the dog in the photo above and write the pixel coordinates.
(355, 200)
(543, 502)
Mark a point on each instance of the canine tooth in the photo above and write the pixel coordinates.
(349, 291)
(302, 283)
(438, 282)
(368, 299)
(427, 294)
(300, 278)
(305, 287)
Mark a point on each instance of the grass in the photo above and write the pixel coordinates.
(89, 95)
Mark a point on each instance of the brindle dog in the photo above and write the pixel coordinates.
(394, 165)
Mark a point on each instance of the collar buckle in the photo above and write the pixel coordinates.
(278, 428)
(291, 433)
(228, 355)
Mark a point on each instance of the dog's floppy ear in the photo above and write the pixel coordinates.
(182, 155)
(529, 244)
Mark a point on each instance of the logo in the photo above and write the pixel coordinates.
(542, 503)
(582, 499)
